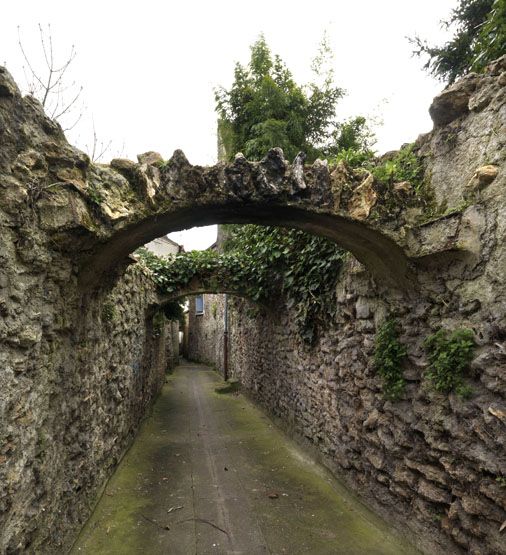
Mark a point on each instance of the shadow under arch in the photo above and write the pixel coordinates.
(192, 290)
(197, 287)
(381, 255)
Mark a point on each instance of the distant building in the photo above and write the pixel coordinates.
(162, 246)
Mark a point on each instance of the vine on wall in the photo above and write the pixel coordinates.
(261, 263)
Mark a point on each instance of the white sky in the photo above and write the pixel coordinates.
(149, 68)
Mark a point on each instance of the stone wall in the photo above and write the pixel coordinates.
(433, 463)
(79, 367)
(172, 347)
(205, 331)
(83, 350)
(76, 380)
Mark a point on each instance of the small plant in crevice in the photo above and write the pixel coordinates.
(449, 357)
(95, 195)
(388, 357)
(158, 323)
(501, 480)
(108, 311)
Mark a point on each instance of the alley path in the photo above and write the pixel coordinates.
(210, 474)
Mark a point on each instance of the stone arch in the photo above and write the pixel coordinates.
(98, 214)
(197, 287)
(176, 195)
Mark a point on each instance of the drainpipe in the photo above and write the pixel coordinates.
(225, 341)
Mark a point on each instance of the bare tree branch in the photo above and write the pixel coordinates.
(48, 85)
(47, 81)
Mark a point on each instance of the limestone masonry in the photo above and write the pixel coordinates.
(84, 349)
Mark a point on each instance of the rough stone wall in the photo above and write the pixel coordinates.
(78, 368)
(172, 344)
(205, 331)
(81, 362)
(430, 462)
(77, 377)
(433, 463)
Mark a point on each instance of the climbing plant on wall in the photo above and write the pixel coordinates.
(449, 357)
(261, 264)
(389, 355)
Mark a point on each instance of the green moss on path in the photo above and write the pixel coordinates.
(209, 473)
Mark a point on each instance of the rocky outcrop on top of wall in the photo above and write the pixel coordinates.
(99, 214)
(434, 463)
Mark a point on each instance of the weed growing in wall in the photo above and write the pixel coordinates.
(158, 323)
(388, 357)
(108, 311)
(404, 166)
(449, 358)
(95, 194)
(501, 480)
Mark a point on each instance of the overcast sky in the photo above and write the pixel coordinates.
(148, 69)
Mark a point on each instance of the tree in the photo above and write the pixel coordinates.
(479, 38)
(47, 79)
(266, 108)
(49, 84)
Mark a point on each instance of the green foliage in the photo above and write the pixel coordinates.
(174, 311)
(404, 166)
(265, 108)
(449, 358)
(352, 137)
(491, 41)
(95, 194)
(479, 38)
(214, 310)
(354, 158)
(261, 263)
(304, 267)
(501, 480)
(388, 357)
(108, 311)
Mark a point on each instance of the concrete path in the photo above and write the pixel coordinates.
(210, 474)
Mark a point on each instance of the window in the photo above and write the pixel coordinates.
(199, 304)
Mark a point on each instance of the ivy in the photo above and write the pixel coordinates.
(262, 263)
(174, 311)
(449, 358)
(304, 268)
(388, 357)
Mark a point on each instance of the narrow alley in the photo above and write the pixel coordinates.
(209, 473)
